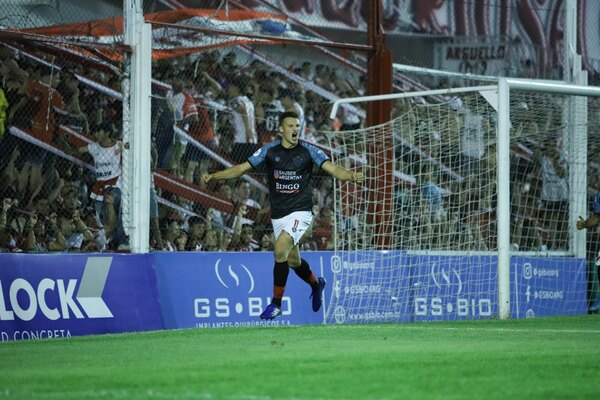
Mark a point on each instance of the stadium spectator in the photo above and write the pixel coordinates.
(3, 109)
(116, 239)
(246, 240)
(267, 115)
(156, 241)
(43, 103)
(185, 112)
(69, 90)
(554, 194)
(289, 166)
(267, 242)
(473, 142)
(323, 193)
(323, 229)
(68, 233)
(163, 132)
(431, 198)
(242, 121)
(305, 71)
(225, 238)
(106, 152)
(9, 174)
(36, 240)
(201, 130)
(8, 242)
(243, 194)
(175, 237)
(211, 240)
(592, 222)
(195, 234)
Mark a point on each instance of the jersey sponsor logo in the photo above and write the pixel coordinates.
(287, 187)
(286, 175)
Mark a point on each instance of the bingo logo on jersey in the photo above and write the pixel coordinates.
(55, 298)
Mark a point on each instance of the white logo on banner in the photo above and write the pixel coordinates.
(233, 275)
(89, 295)
(446, 278)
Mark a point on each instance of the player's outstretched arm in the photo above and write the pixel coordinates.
(230, 173)
(341, 173)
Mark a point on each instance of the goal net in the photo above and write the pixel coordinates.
(428, 235)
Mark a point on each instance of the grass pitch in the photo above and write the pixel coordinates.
(547, 358)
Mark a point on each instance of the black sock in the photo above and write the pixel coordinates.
(303, 271)
(281, 271)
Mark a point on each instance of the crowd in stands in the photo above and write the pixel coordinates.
(61, 147)
(61, 152)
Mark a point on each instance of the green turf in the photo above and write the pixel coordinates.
(545, 358)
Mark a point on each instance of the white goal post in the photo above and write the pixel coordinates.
(503, 97)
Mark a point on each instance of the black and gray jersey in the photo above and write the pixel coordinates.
(289, 173)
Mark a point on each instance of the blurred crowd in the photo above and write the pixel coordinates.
(62, 146)
(451, 153)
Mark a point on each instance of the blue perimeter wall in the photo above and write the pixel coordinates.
(50, 295)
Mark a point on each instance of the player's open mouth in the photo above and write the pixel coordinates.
(294, 136)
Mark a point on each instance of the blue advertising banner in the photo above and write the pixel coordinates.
(209, 290)
(449, 287)
(47, 296)
(369, 286)
(548, 286)
(395, 286)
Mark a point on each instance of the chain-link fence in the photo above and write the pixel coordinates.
(216, 97)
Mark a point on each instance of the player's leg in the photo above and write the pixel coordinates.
(302, 269)
(283, 245)
(288, 232)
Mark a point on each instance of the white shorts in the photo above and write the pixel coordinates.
(295, 224)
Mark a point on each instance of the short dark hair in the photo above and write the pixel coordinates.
(287, 93)
(195, 220)
(287, 114)
(105, 126)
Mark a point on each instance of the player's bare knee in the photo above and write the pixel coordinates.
(281, 253)
(294, 260)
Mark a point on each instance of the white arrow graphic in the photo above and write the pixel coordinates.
(92, 284)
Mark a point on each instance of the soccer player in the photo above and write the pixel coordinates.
(592, 221)
(289, 163)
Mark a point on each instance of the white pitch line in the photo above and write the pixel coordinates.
(519, 330)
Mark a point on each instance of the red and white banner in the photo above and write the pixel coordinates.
(172, 41)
